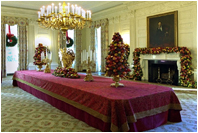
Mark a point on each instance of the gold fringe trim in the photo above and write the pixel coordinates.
(154, 111)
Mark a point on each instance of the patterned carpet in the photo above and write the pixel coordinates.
(22, 112)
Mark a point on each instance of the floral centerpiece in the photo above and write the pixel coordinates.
(185, 58)
(37, 56)
(65, 72)
(116, 60)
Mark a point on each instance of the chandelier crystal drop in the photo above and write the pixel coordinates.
(63, 17)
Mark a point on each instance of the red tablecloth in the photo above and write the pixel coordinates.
(122, 108)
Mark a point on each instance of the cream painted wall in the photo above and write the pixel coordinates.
(133, 18)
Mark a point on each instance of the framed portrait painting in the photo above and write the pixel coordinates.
(162, 30)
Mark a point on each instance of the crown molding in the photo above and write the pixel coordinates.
(124, 11)
(148, 7)
(18, 12)
(115, 11)
(138, 8)
(128, 7)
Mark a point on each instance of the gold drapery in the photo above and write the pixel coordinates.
(104, 24)
(22, 37)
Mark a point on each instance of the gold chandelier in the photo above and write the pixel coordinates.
(63, 17)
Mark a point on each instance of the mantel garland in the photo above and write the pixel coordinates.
(185, 60)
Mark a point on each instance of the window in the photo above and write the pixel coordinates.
(71, 35)
(98, 49)
(126, 37)
(12, 53)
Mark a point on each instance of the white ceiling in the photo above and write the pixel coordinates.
(94, 6)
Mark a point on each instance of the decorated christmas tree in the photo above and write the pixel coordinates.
(116, 60)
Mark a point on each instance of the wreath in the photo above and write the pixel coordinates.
(13, 41)
(71, 42)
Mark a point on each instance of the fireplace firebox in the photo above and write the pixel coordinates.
(163, 71)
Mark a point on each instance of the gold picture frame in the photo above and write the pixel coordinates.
(162, 30)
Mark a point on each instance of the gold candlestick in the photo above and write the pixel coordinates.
(89, 76)
(48, 64)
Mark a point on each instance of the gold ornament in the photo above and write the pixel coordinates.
(67, 57)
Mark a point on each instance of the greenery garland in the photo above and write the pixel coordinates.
(71, 42)
(185, 59)
(13, 43)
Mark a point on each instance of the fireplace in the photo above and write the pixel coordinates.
(163, 71)
(145, 58)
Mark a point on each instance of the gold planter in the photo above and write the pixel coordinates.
(39, 67)
(116, 79)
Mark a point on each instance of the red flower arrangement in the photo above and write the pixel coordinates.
(37, 56)
(185, 58)
(65, 72)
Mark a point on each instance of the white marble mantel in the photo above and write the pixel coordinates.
(163, 56)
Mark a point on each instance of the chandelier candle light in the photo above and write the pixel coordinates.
(63, 17)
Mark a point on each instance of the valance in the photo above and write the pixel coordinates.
(98, 23)
(14, 20)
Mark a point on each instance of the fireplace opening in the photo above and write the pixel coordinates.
(163, 71)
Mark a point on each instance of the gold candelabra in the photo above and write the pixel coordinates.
(48, 64)
(89, 76)
(91, 64)
(63, 17)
